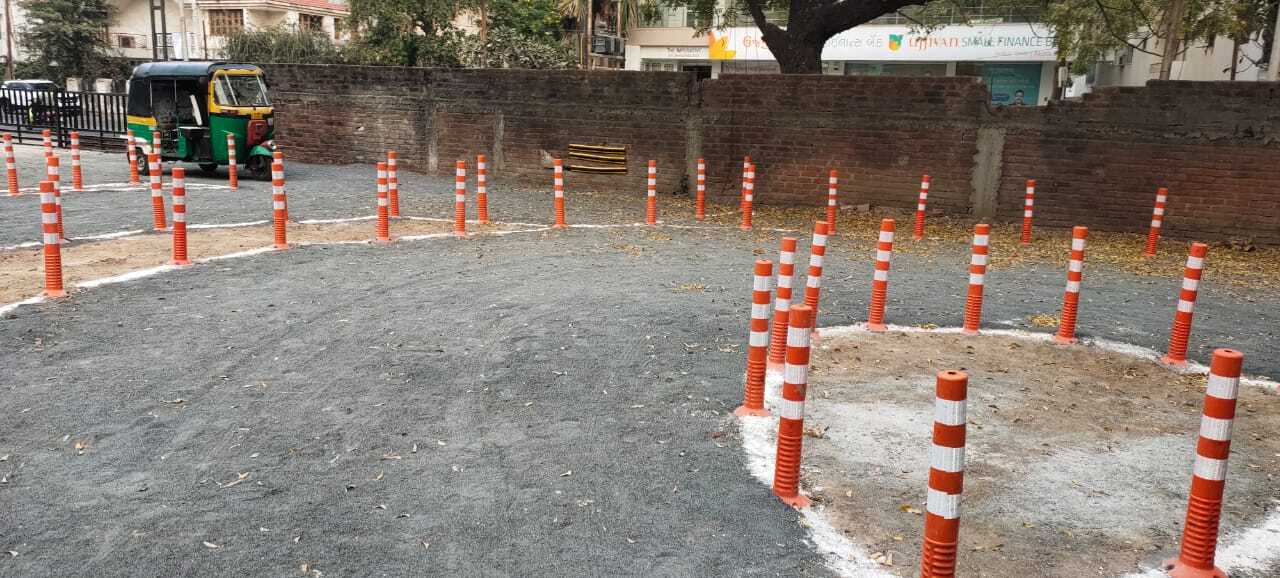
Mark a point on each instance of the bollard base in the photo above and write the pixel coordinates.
(915, 238)
(877, 327)
(1060, 340)
(797, 501)
(54, 294)
(180, 262)
(1176, 569)
(386, 240)
(459, 235)
(282, 246)
(745, 411)
(969, 331)
(560, 226)
(745, 228)
(1171, 362)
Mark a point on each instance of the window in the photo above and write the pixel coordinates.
(124, 41)
(240, 90)
(311, 22)
(659, 66)
(224, 22)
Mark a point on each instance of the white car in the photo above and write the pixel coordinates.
(38, 95)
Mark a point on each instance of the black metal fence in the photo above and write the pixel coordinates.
(99, 117)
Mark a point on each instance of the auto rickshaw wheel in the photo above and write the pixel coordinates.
(259, 167)
(209, 168)
(141, 158)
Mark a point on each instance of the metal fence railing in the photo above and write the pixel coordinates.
(99, 117)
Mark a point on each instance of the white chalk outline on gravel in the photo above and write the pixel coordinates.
(1255, 548)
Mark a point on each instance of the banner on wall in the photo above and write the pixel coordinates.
(1022, 42)
(1013, 84)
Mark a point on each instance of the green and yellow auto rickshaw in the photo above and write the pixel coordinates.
(194, 105)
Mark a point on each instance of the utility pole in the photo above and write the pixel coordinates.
(1273, 69)
(8, 38)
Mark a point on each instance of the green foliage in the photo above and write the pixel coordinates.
(408, 32)
(280, 44)
(508, 48)
(65, 38)
(532, 18)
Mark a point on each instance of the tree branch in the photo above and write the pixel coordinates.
(1107, 19)
(768, 30)
(837, 18)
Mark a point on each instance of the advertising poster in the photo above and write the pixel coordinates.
(1013, 84)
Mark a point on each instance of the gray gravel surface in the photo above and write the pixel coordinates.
(508, 361)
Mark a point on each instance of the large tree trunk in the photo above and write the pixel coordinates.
(799, 56)
(810, 23)
(1172, 36)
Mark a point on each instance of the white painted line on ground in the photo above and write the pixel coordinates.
(16, 304)
(226, 225)
(121, 278)
(341, 220)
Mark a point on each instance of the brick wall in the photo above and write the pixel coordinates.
(1097, 161)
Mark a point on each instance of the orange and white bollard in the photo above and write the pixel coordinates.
(77, 179)
(11, 165)
(1071, 299)
(233, 178)
(757, 342)
(880, 279)
(1028, 209)
(393, 184)
(746, 166)
(46, 139)
(700, 200)
(782, 303)
(748, 198)
(651, 195)
(52, 242)
(157, 194)
(460, 199)
(155, 142)
(795, 382)
(558, 191)
(52, 170)
(946, 476)
(277, 156)
(178, 182)
(813, 281)
(1181, 332)
(921, 202)
(131, 153)
(977, 278)
(279, 205)
(1157, 222)
(1209, 474)
(833, 181)
(482, 190)
(383, 226)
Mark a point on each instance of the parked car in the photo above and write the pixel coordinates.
(38, 97)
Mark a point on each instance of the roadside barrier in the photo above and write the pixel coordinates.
(277, 156)
(178, 182)
(782, 303)
(700, 201)
(383, 231)
(482, 191)
(651, 199)
(46, 141)
(813, 281)
(1181, 331)
(460, 199)
(233, 179)
(757, 342)
(393, 184)
(1157, 222)
(52, 170)
(1028, 210)
(1071, 298)
(11, 165)
(946, 476)
(748, 197)
(977, 278)
(786, 473)
(131, 153)
(746, 166)
(833, 180)
(52, 244)
(1209, 474)
(155, 142)
(157, 194)
(77, 179)
(558, 191)
(923, 200)
(880, 279)
(279, 204)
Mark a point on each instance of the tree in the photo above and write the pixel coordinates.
(797, 46)
(67, 38)
(407, 32)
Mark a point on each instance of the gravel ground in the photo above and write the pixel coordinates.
(509, 362)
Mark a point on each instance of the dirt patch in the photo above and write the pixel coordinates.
(1078, 460)
(22, 270)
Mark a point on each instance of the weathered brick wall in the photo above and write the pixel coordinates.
(344, 114)
(1097, 161)
(881, 134)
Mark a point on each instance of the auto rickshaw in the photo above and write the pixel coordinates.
(194, 105)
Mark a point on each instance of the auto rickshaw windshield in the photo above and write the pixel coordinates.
(240, 90)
